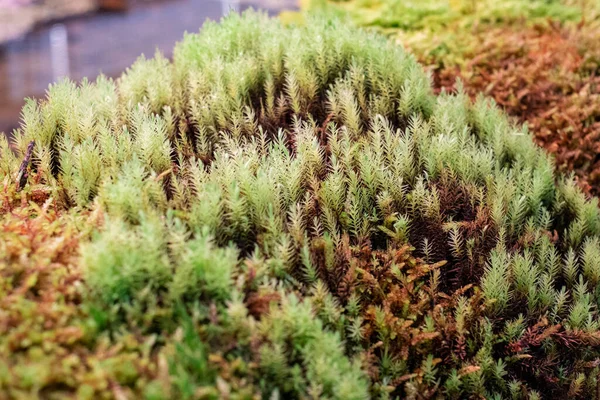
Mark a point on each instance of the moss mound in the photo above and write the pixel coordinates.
(291, 212)
(537, 59)
(441, 31)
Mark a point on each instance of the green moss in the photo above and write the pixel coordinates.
(434, 14)
(257, 200)
(447, 33)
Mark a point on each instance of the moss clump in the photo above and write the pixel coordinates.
(537, 59)
(291, 212)
(445, 32)
(437, 14)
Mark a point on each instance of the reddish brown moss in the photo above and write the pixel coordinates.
(48, 341)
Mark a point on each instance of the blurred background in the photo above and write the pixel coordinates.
(42, 41)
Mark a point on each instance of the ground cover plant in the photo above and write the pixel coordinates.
(537, 59)
(545, 76)
(289, 212)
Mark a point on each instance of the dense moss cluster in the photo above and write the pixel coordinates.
(291, 212)
(446, 32)
(537, 59)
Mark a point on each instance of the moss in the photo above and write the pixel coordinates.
(292, 212)
(446, 32)
(537, 59)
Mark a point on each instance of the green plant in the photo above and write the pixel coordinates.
(537, 59)
(443, 32)
(292, 212)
